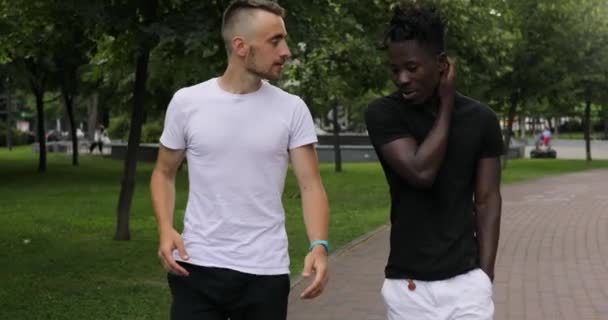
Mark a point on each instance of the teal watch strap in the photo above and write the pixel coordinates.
(323, 243)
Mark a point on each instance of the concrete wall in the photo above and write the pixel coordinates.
(350, 153)
(149, 152)
(146, 151)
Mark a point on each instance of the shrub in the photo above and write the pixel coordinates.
(151, 131)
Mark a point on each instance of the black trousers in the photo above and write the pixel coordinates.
(221, 294)
(96, 144)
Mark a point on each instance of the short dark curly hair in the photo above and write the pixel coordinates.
(417, 21)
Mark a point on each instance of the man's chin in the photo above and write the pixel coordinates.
(416, 100)
(269, 76)
(272, 77)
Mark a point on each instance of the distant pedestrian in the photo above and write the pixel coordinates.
(99, 138)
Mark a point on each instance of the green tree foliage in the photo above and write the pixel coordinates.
(541, 58)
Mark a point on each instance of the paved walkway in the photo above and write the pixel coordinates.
(552, 262)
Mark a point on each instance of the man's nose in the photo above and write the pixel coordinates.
(403, 77)
(285, 52)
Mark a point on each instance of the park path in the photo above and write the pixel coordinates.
(552, 261)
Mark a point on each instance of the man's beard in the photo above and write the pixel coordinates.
(252, 67)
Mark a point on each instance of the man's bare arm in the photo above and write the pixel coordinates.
(162, 191)
(315, 208)
(418, 164)
(488, 203)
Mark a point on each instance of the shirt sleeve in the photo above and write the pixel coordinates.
(302, 128)
(174, 135)
(491, 139)
(384, 125)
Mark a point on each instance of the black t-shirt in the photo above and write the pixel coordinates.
(433, 229)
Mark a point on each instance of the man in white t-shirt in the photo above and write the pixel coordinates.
(238, 134)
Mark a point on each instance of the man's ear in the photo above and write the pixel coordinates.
(239, 46)
(443, 62)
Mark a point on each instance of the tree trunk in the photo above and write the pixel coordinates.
(37, 82)
(92, 118)
(148, 9)
(128, 181)
(606, 123)
(336, 127)
(9, 116)
(40, 130)
(509, 133)
(68, 100)
(588, 128)
(522, 126)
(105, 116)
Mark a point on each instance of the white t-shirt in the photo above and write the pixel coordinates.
(237, 151)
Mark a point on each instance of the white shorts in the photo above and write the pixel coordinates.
(464, 297)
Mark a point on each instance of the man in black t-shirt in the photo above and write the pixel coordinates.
(440, 153)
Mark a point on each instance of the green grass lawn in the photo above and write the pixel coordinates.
(58, 259)
(521, 170)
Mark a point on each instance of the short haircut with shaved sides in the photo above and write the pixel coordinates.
(234, 14)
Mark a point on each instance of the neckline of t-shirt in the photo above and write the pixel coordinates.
(457, 96)
(238, 95)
